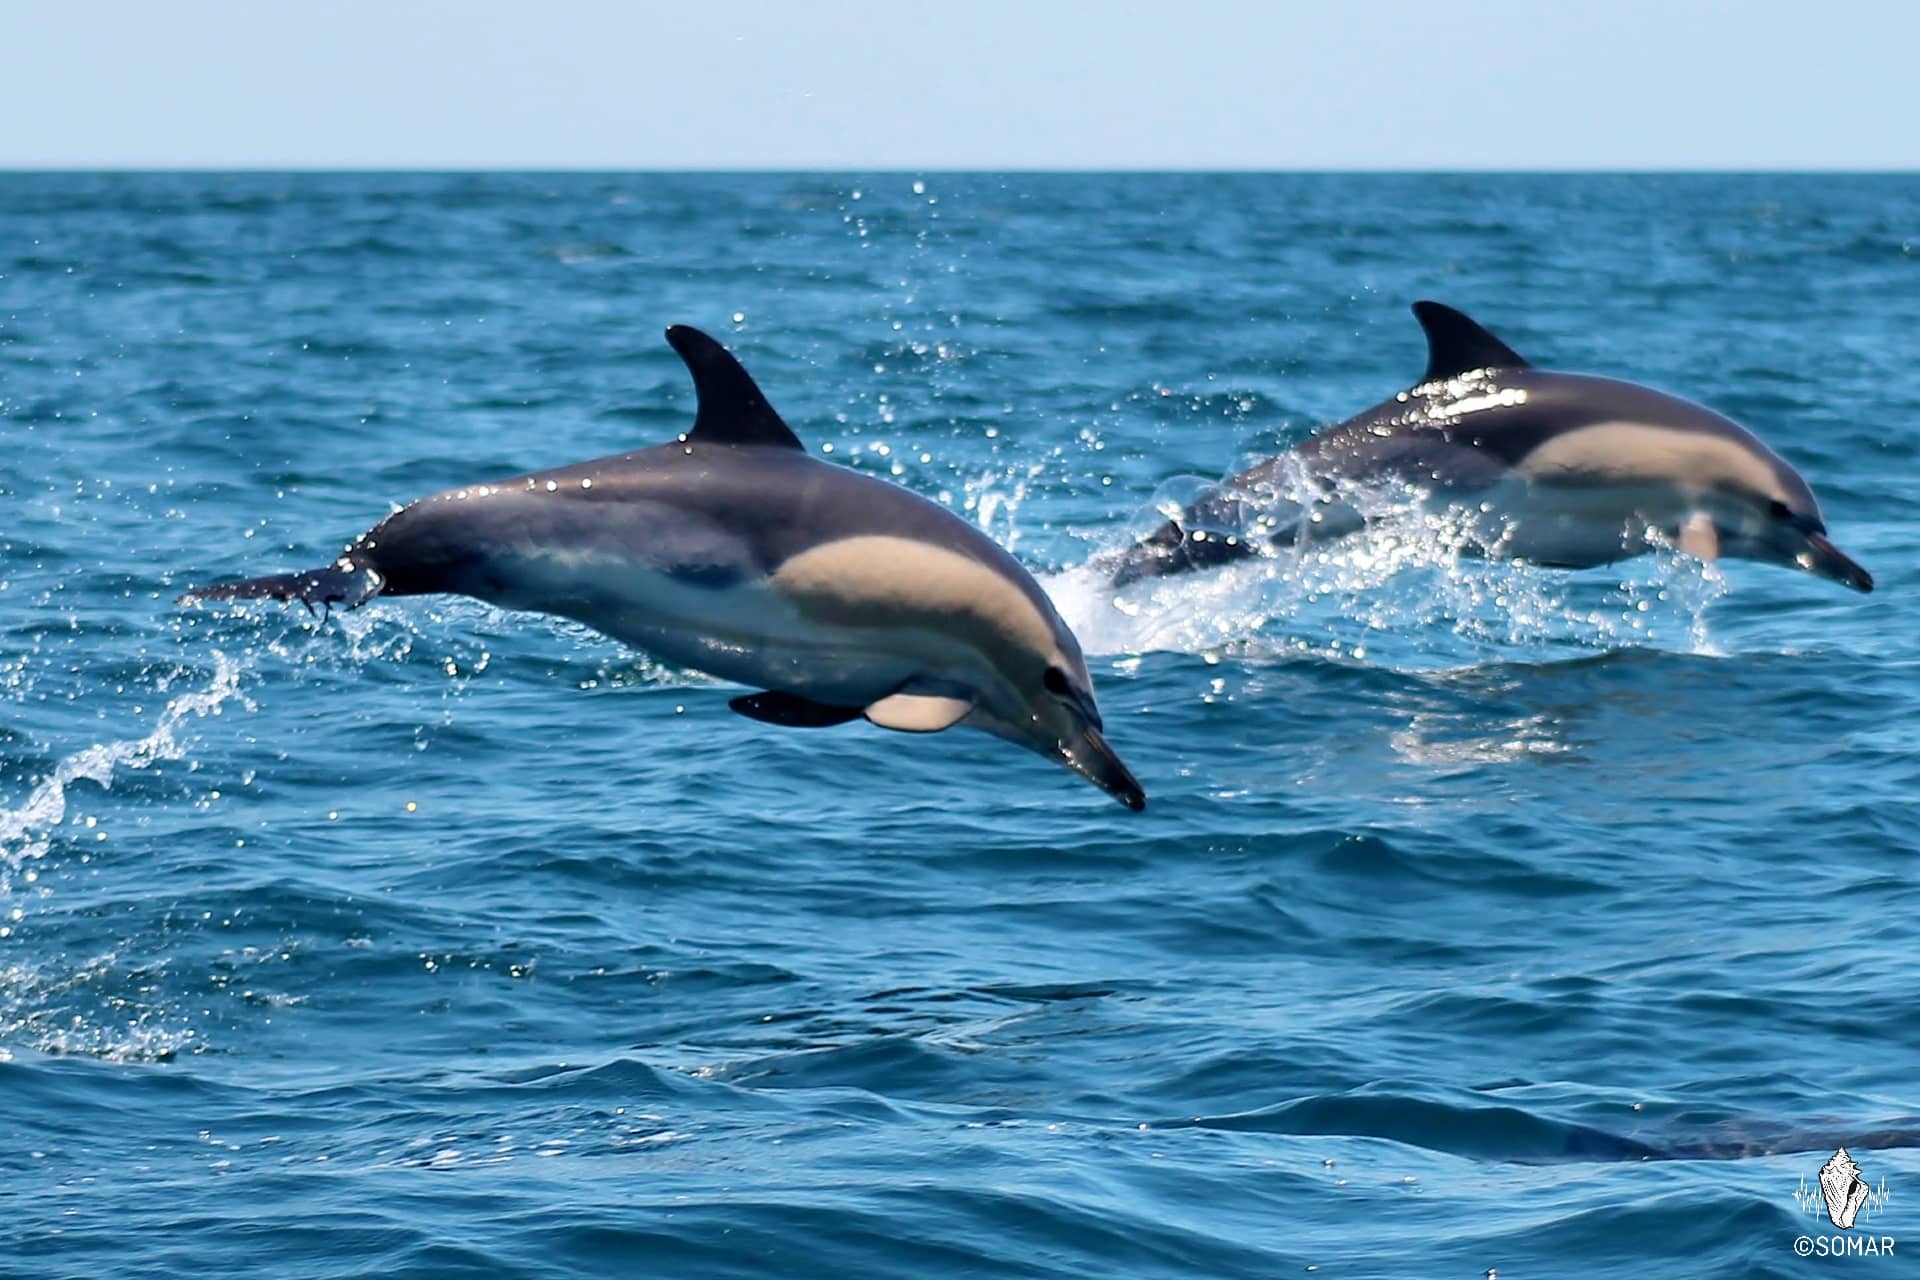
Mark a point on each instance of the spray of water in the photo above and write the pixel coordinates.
(1408, 591)
(38, 999)
(26, 832)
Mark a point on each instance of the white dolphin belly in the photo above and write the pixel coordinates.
(1575, 526)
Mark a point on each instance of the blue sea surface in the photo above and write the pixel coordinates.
(1484, 917)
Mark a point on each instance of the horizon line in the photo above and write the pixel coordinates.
(969, 170)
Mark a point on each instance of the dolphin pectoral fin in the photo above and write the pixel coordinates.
(919, 712)
(792, 711)
(1699, 538)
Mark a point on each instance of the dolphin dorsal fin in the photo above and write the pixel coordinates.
(731, 408)
(1457, 345)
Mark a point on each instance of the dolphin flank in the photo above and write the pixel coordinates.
(834, 594)
(1559, 469)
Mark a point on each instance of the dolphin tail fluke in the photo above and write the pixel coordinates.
(1170, 549)
(345, 583)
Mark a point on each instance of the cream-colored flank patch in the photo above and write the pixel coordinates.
(1636, 451)
(879, 581)
(1699, 538)
(918, 712)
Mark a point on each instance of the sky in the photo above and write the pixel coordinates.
(954, 84)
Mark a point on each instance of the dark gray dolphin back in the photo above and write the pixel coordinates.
(1445, 441)
(1409, 437)
(734, 499)
(1445, 433)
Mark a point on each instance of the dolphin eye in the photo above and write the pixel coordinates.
(1055, 683)
(1795, 520)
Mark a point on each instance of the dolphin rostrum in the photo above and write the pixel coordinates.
(1559, 469)
(730, 550)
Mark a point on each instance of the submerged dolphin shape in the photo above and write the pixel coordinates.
(731, 551)
(1560, 469)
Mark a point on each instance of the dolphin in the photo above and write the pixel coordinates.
(1560, 469)
(835, 594)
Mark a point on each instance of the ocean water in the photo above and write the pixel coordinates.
(1483, 918)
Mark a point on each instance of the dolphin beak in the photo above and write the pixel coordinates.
(1821, 558)
(1094, 760)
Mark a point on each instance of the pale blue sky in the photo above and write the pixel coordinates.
(960, 84)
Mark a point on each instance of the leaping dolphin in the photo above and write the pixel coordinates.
(731, 551)
(1560, 469)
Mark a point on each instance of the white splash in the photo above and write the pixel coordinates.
(37, 999)
(26, 831)
(1404, 593)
